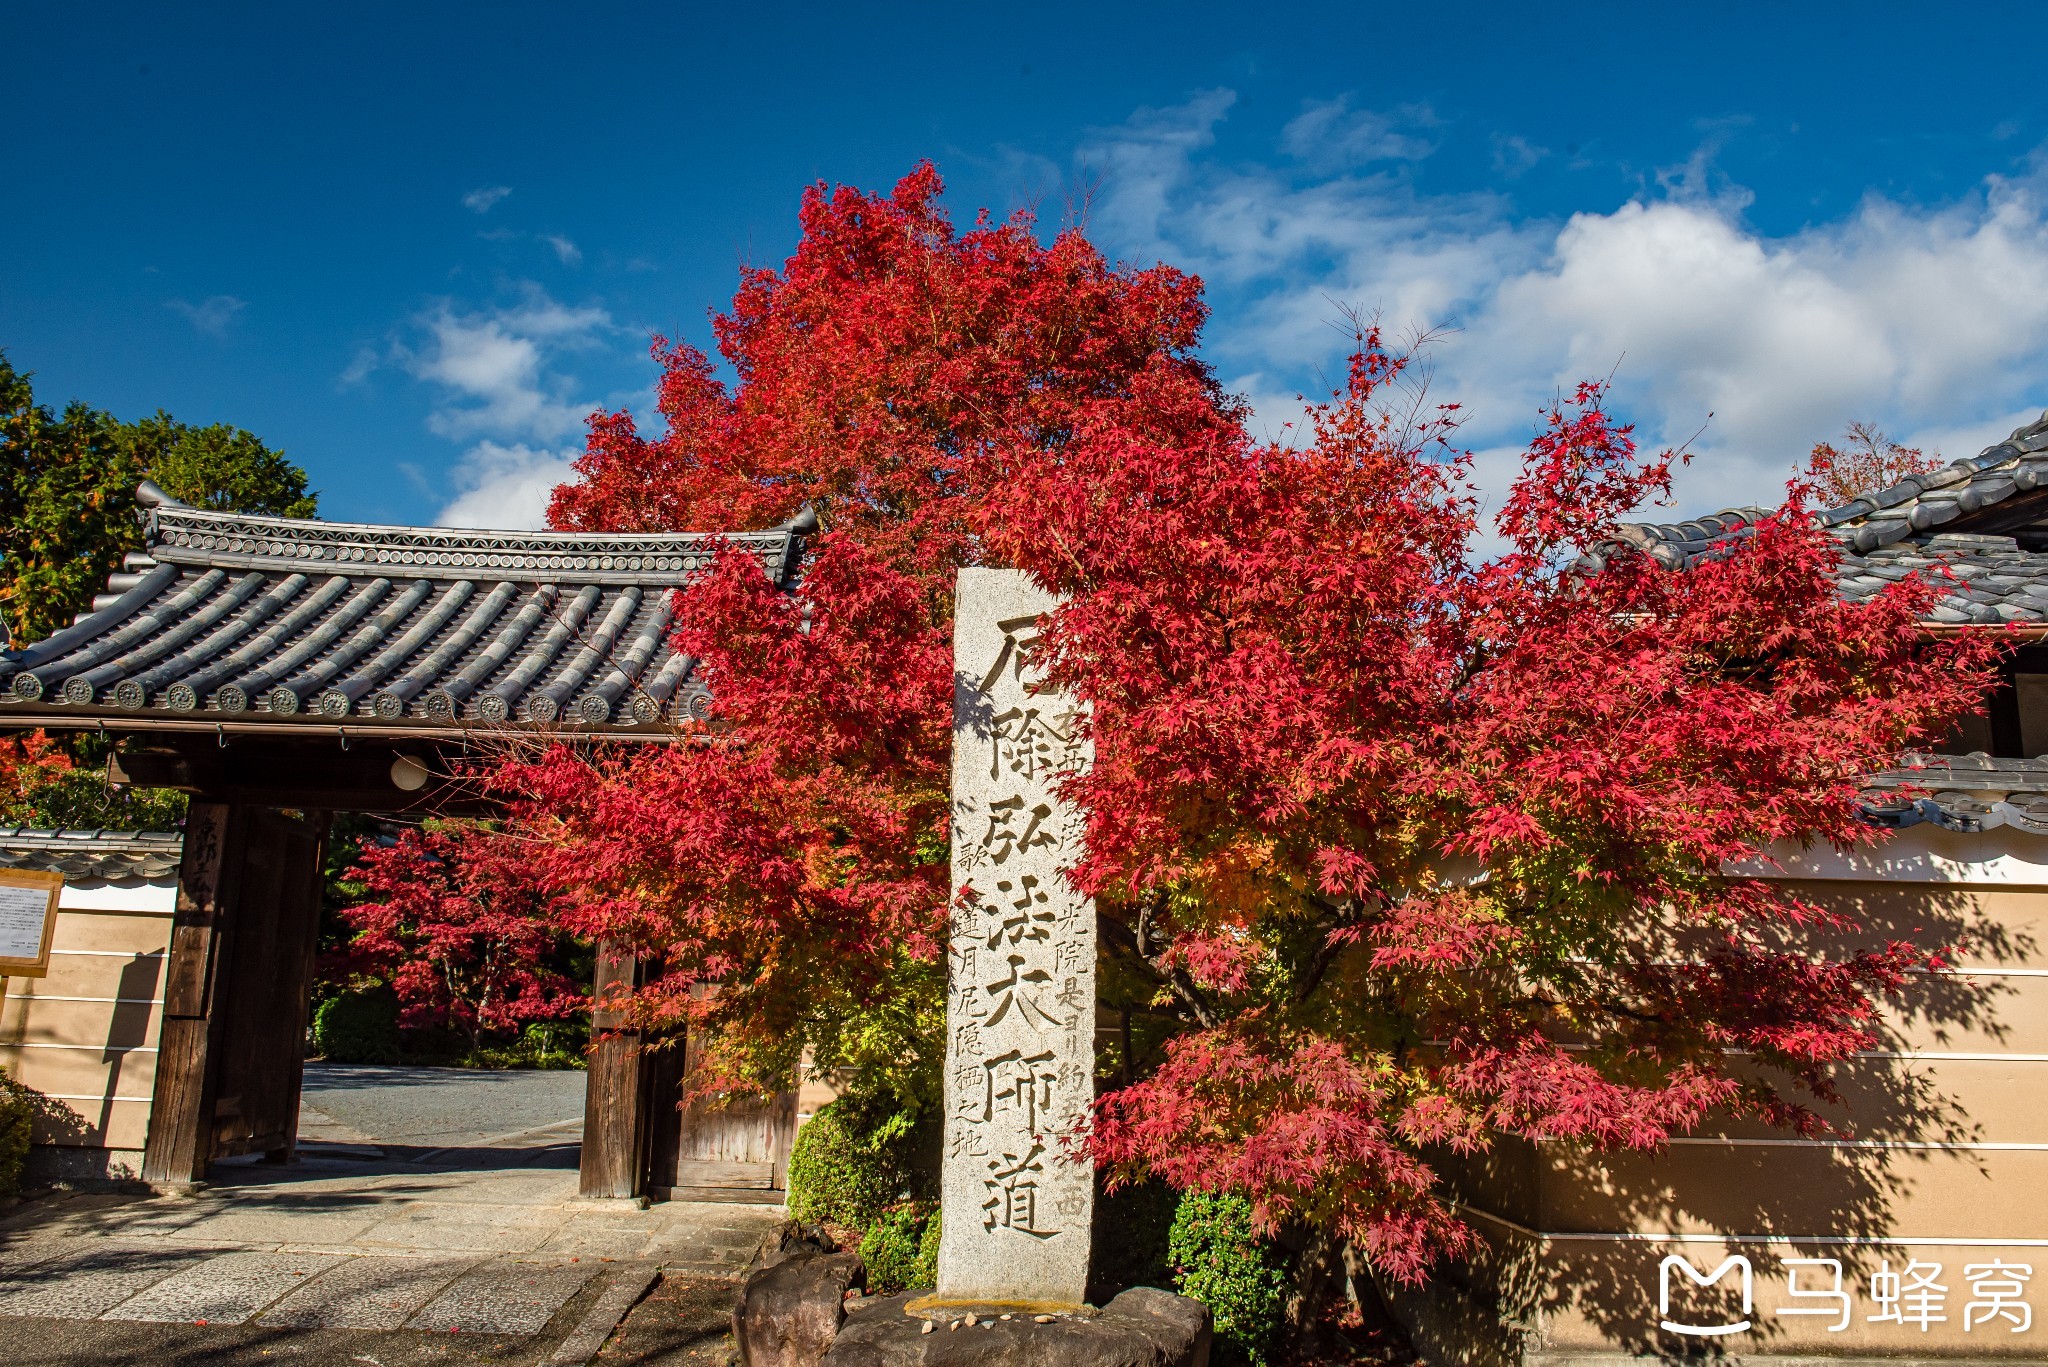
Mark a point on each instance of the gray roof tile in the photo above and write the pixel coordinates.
(241, 618)
(1920, 522)
(110, 856)
(1960, 793)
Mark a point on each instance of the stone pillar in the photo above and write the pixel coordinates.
(1020, 1001)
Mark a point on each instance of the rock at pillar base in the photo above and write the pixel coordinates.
(1140, 1328)
(790, 1312)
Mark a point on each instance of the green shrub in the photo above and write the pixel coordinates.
(928, 1251)
(901, 1249)
(1219, 1261)
(17, 1115)
(359, 1026)
(542, 1044)
(835, 1175)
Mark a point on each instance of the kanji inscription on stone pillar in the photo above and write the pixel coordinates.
(1020, 997)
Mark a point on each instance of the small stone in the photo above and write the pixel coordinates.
(951, 1327)
(928, 1327)
(1008, 1317)
(971, 1320)
(1041, 1319)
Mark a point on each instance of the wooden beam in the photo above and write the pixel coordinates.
(615, 1101)
(301, 774)
(180, 1139)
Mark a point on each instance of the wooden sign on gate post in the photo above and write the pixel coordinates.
(28, 918)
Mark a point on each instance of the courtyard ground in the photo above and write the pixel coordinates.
(431, 1218)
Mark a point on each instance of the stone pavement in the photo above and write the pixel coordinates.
(340, 1240)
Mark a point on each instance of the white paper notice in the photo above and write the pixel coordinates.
(22, 913)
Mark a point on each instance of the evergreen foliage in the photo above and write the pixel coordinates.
(49, 784)
(901, 1249)
(17, 1117)
(67, 494)
(1219, 1261)
(359, 1026)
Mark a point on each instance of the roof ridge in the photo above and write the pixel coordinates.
(98, 836)
(180, 535)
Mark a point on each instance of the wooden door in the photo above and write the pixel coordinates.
(741, 1145)
(275, 929)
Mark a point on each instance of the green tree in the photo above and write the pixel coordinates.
(67, 491)
(220, 467)
(67, 494)
(67, 516)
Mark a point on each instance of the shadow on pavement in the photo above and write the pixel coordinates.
(321, 1160)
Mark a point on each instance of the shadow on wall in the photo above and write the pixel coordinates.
(128, 1026)
(68, 1124)
(1738, 1178)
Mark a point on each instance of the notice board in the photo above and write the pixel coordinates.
(28, 918)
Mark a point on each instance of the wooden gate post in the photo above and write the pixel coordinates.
(615, 1103)
(232, 1050)
(180, 1138)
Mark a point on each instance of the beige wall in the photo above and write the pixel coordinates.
(1948, 1164)
(86, 1035)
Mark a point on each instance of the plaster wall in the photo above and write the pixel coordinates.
(85, 1036)
(1944, 1161)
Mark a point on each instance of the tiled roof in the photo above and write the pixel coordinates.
(108, 855)
(1985, 517)
(1961, 793)
(231, 618)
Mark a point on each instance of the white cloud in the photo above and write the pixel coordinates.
(361, 367)
(482, 201)
(210, 316)
(1331, 134)
(500, 388)
(493, 367)
(1514, 154)
(568, 251)
(504, 487)
(1930, 321)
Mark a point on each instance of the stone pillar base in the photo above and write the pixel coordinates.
(1140, 1328)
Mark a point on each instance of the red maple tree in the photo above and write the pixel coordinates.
(455, 921)
(1413, 850)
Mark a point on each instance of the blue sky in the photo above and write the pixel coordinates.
(413, 245)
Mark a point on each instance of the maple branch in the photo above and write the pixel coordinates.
(1340, 915)
(1151, 950)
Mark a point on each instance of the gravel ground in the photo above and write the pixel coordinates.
(429, 1107)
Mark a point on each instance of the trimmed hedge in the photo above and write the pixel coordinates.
(1219, 1261)
(834, 1175)
(358, 1027)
